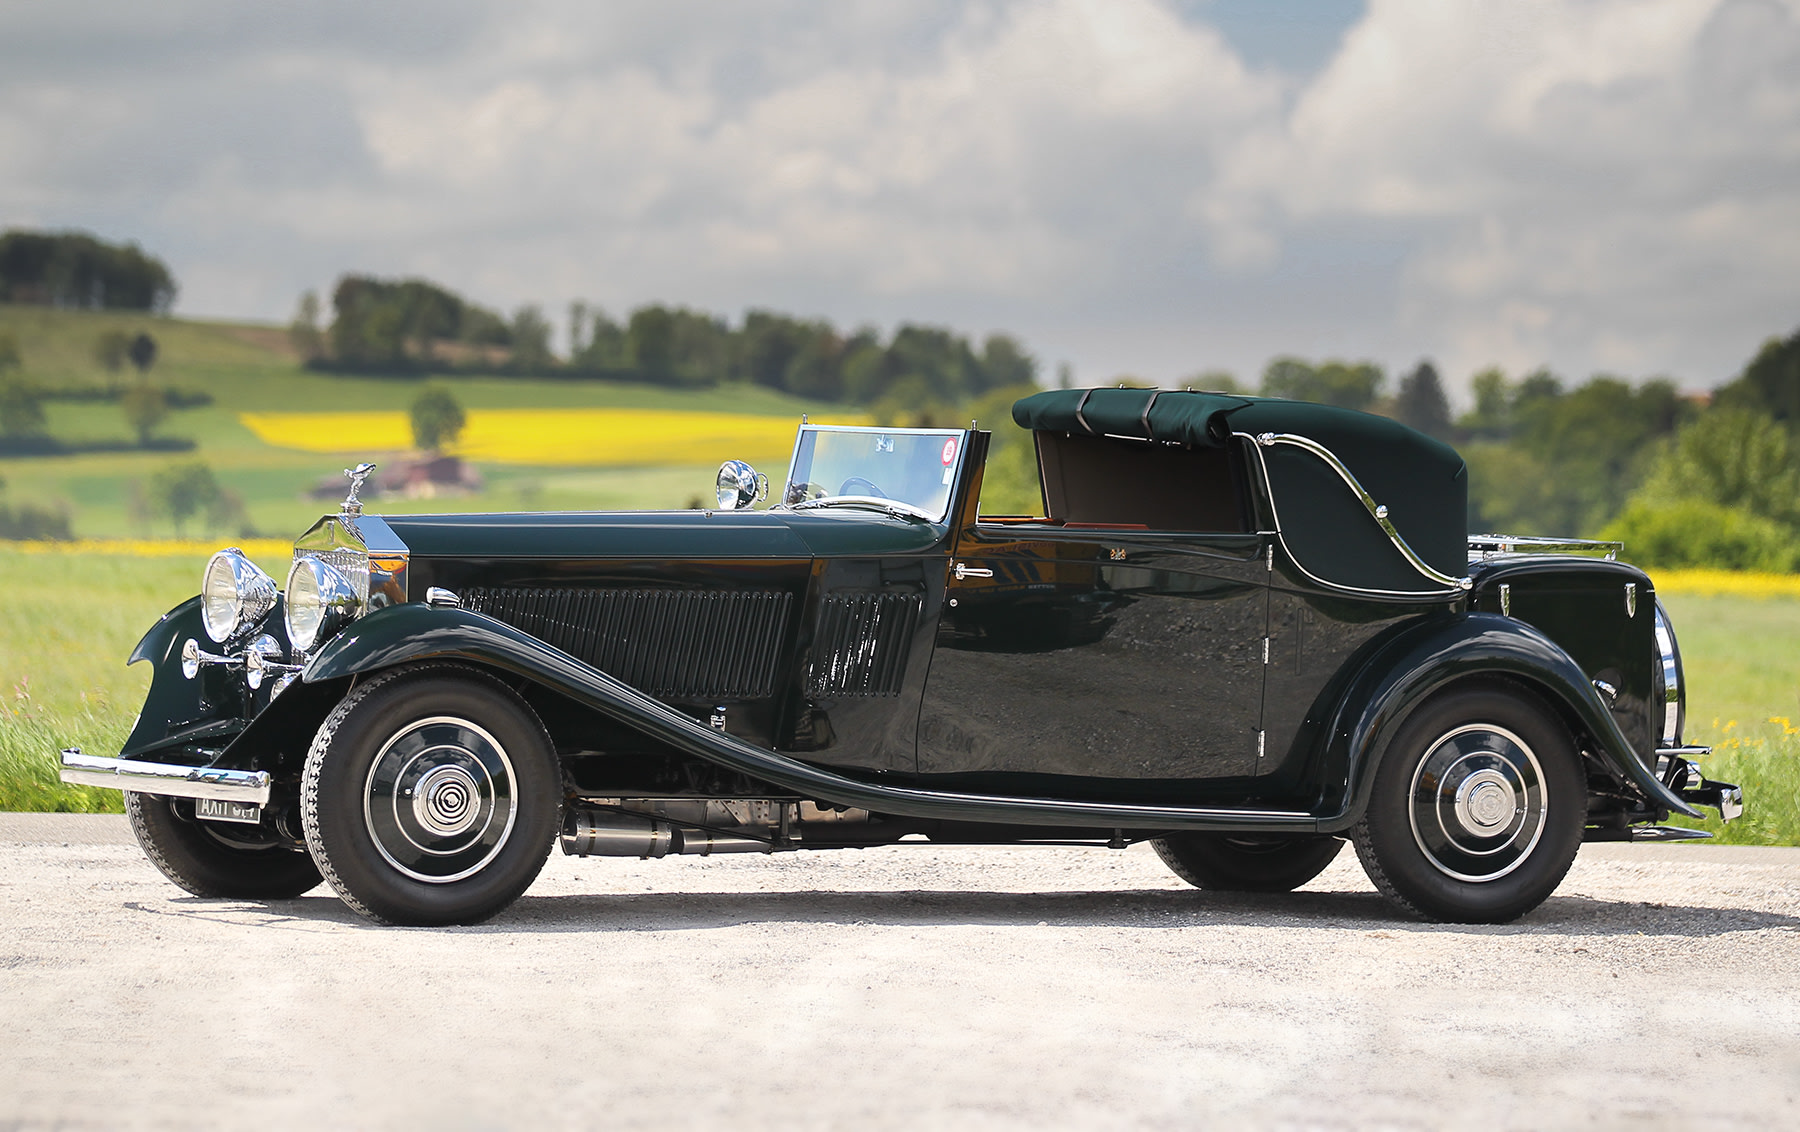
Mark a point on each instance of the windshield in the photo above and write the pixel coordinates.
(911, 467)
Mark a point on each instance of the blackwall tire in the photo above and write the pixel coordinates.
(1224, 862)
(217, 862)
(1476, 810)
(431, 796)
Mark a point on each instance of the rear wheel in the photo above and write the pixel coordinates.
(431, 796)
(1476, 810)
(1232, 863)
(214, 859)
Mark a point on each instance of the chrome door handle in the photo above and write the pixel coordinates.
(962, 572)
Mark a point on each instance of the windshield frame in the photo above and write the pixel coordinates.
(865, 502)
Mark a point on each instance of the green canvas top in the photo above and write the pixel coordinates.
(1422, 482)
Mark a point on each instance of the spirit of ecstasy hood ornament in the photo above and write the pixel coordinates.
(353, 505)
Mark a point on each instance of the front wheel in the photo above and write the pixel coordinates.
(1476, 810)
(215, 859)
(431, 796)
(1231, 863)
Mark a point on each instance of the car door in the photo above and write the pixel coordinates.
(1087, 661)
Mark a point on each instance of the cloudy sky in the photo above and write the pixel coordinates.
(1152, 187)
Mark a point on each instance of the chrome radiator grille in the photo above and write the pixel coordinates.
(862, 642)
(711, 644)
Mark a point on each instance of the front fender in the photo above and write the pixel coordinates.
(173, 700)
(1443, 650)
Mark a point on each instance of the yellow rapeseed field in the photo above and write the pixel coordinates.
(1728, 583)
(585, 437)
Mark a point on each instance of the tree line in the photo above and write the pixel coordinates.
(409, 326)
(75, 269)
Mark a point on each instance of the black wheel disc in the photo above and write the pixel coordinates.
(441, 801)
(1478, 802)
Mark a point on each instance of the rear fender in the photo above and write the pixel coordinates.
(1443, 651)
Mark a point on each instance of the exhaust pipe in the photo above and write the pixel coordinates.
(605, 833)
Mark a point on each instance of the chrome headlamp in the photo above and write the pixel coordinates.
(234, 592)
(740, 485)
(320, 601)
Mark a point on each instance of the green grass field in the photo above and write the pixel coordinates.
(70, 620)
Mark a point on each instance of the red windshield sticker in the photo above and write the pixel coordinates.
(949, 452)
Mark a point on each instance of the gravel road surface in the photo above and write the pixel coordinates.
(899, 988)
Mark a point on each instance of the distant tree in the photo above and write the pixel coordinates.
(1004, 364)
(1490, 419)
(650, 343)
(818, 369)
(1731, 457)
(142, 352)
(73, 269)
(384, 324)
(144, 406)
(111, 349)
(304, 333)
(1566, 460)
(768, 345)
(604, 346)
(864, 369)
(437, 418)
(1770, 382)
(530, 339)
(1351, 385)
(178, 492)
(941, 356)
(578, 328)
(9, 354)
(1421, 402)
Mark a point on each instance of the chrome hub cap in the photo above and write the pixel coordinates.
(440, 800)
(1477, 804)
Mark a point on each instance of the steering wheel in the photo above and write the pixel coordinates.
(803, 492)
(856, 485)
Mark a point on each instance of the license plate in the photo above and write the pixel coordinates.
(211, 809)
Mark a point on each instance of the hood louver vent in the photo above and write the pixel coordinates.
(861, 645)
(705, 644)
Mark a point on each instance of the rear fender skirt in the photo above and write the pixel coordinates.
(403, 634)
(1444, 650)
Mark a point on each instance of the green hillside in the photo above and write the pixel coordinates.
(250, 367)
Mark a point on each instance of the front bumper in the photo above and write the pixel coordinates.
(166, 779)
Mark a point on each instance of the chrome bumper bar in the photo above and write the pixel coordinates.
(165, 778)
(1682, 775)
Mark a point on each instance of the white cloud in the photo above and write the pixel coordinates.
(1591, 184)
(1600, 185)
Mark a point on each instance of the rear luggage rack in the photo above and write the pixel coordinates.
(1486, 546)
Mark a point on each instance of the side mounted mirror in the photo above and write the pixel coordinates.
(740, 485)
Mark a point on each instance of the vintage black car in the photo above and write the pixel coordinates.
(1246, 630)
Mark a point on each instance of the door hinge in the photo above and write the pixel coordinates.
(1262, 738)
(1265, 650)
(963, 571)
